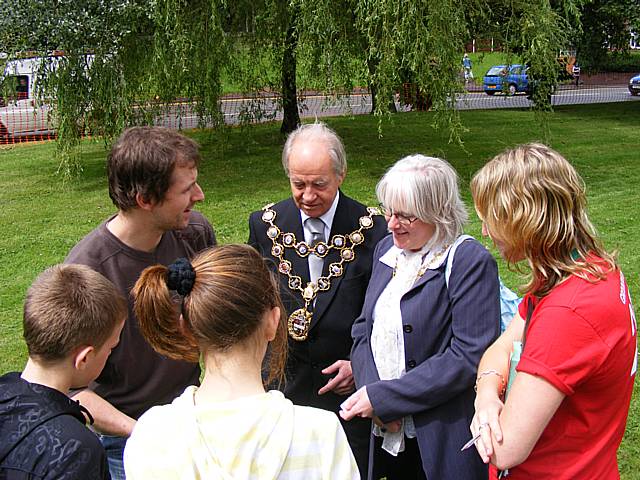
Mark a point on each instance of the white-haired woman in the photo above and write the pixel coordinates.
(425, 323)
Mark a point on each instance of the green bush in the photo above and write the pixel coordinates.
(614, 62)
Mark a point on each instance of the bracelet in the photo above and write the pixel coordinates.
(490, 372)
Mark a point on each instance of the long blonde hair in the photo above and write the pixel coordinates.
(232, 290)
(533, 200)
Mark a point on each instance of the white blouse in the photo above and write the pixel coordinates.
(387, 337)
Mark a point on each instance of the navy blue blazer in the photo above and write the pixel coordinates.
(446, 331)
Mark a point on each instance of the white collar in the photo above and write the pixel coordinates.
(326, 217)
(391, 255)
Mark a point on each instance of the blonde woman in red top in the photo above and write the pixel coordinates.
(565, 413)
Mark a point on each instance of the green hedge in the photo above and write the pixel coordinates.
(615, 62)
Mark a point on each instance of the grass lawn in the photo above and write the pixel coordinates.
(41, 219)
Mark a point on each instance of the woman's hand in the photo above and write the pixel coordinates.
(485, 422)
(357, 405)
(393, 426)
(494, 371)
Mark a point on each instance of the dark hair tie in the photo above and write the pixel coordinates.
(181, 276)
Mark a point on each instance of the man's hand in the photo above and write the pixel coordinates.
(342, 383)
(108, 419)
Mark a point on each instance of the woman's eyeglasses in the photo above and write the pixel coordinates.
(401, 218)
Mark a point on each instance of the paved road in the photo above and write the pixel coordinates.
(236, 109)
(581, 95)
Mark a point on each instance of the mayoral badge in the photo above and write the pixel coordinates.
(300, 320)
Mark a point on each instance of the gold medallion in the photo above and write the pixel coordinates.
(299, 323)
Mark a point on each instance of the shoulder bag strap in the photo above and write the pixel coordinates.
(530, 307)
(452, 252)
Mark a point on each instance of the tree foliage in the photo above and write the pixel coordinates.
(606, 25)
(124, 60)
(118, 56)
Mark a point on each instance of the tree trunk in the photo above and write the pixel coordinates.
(372, 65)
(291, 119)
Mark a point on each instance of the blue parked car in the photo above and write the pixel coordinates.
(514, 78)
(634, 85)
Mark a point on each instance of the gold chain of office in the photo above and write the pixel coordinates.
(300, 320)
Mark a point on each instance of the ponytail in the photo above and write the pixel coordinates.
(159, 319)
(225, 294)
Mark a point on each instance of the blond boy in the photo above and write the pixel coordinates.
(72, 319)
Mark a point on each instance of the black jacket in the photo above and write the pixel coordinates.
(335, 310)
(43, 436)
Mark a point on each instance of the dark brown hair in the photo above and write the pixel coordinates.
(233, 289)
(142, 161)
(69, 306)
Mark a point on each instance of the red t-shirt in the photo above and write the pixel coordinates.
(581, 339)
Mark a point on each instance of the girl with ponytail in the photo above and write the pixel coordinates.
(224, 309)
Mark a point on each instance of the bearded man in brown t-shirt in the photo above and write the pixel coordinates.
(153, 183)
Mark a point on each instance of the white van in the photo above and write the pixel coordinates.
(20, 115)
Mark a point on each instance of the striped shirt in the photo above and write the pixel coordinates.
(258, 437)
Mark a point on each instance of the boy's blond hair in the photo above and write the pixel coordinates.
(69, 306)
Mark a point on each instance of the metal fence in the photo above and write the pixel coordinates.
(23, 120)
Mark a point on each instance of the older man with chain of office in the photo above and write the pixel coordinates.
(321, 244)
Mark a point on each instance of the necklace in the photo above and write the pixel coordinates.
(300, 320)
(431, 260)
